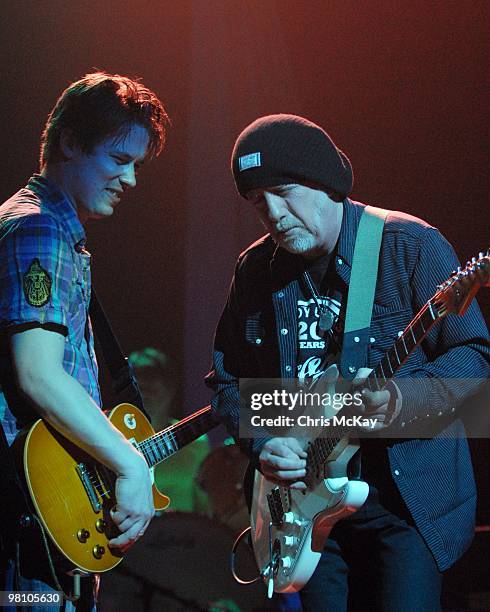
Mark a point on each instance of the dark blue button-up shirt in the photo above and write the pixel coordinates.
(433, 475)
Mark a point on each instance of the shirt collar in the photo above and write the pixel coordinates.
(348, 230)
(59, 205)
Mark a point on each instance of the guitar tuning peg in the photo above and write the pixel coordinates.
(481, 255)
(473, 260)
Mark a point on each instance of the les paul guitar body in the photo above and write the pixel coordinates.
(73, 494)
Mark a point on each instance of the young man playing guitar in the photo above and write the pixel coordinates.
(102, 128)
(284, 318)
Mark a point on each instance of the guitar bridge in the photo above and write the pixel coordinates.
(90, 479)
(279, 500)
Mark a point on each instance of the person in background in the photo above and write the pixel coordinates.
(177, 476)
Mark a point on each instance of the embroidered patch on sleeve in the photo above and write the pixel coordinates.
(37, 284)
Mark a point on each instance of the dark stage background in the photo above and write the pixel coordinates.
(401, 86)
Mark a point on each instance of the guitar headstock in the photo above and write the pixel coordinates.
(455, 294)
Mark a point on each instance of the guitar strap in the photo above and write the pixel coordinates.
(121, 371)
(362, 287)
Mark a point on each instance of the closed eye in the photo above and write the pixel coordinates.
(123, 161)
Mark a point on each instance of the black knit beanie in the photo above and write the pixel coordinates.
(280, 149)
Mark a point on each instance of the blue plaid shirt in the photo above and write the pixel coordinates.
(44, 282)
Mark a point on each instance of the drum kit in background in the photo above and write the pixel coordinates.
(183, 562)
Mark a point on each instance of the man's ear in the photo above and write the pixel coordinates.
(68, 146)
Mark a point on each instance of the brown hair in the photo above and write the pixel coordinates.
(100, 105)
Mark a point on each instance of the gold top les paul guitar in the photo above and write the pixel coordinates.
(73, 494)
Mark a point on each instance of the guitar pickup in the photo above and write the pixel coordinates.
(276, 507)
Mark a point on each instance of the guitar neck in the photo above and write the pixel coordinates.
(405, 344)
(165, 443)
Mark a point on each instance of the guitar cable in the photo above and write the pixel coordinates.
(239, 538)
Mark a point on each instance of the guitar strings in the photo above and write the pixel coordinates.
(167, 437)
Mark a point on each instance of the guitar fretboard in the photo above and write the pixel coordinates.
(162, 445)
(403, 347)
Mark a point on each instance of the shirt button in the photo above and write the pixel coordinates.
(357, 339)
(284, 331)
(397, 473)
(352, 369)
(288, 368)
(372, 340)
(400, 333)
(258, 340)
(280, 294)
(339, 261)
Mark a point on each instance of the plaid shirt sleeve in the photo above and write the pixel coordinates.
(36, 272)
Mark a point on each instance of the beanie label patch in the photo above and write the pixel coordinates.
(249, 161)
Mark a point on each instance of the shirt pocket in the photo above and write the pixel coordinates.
(261, 352)
(255, 332)
(80, 295)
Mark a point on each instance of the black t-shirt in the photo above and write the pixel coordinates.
(316, 353)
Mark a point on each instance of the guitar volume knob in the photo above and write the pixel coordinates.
(100, 525)
(83, 535)
(288, 517)
(98, 551)
(289, 540)
(286, 562)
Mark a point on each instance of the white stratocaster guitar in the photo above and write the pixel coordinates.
(288, 527)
